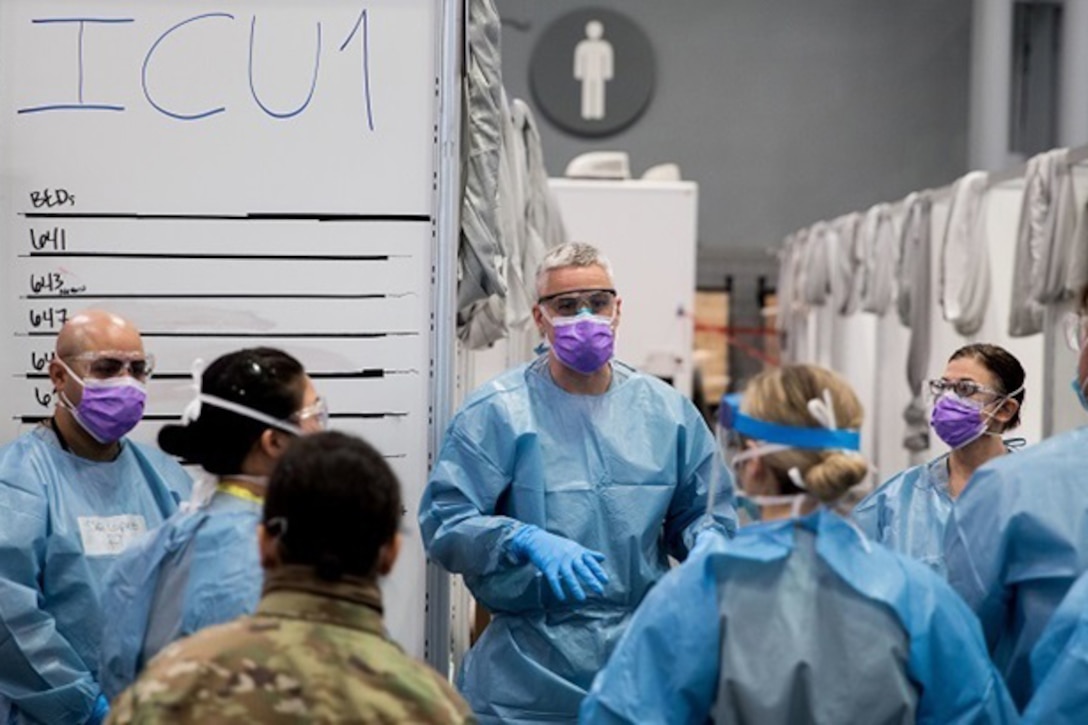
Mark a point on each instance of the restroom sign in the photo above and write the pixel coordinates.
(592, 72)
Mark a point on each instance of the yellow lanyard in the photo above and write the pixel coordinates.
(233, 489)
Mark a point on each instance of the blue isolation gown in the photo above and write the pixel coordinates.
(626, 473)
(1059, 664)
(908, 513)
(198, 569)
(63, 520)
(1016, 542)
(800, 621)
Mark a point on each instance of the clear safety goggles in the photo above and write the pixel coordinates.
(1075, 327)
(962, 388)
(319, 410)
(600, 302)
(105, 364)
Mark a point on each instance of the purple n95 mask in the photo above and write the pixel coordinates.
(109, 408)
(957, 421)
(960, 421)
(583, 343)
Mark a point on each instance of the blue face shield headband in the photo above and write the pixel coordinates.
(775, 437)
(731, 419)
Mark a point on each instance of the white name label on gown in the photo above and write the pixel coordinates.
(109, 535)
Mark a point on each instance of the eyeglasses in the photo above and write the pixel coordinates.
(319, 410)
(112, 364)
(962, 388)
(1076, 330)
(569, 304)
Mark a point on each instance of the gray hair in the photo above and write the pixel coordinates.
(571, 254)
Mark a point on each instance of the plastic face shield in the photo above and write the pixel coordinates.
(735, 426)
(729, 439)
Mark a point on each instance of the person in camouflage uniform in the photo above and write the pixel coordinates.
(316, 651)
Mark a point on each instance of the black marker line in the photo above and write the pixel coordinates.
(390, 456)
(246, 217)
(31, 419)
(247, 335)
(208, 296)
(367, 374)
(368, 416)
(182, 255)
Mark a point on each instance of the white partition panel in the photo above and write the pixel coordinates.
(871, 353)
(891, 394)
(824, 322)
(854, 356)
(1002, 212)
(1062, 410)
(254, 172)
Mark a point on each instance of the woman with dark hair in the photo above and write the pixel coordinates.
(201, 567)
(977, 401)
(316, 650)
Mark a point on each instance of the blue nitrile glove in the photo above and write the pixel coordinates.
(101, 710)
(565, 564)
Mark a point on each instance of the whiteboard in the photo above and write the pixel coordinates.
(226, 175)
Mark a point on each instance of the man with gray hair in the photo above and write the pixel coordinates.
(560, 491)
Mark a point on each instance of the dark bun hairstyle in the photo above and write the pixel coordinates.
(261, 378)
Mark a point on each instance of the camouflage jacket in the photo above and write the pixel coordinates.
(314, 652)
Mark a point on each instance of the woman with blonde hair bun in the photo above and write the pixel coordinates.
(799, 618)
(783, 480)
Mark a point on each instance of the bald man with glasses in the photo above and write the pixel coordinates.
(74, 492)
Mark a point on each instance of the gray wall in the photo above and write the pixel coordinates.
(785, 111)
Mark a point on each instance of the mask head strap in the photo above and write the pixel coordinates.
(192, 411)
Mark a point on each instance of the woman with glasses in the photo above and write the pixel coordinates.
(201, 568)
(800, 619)
(976, 401)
